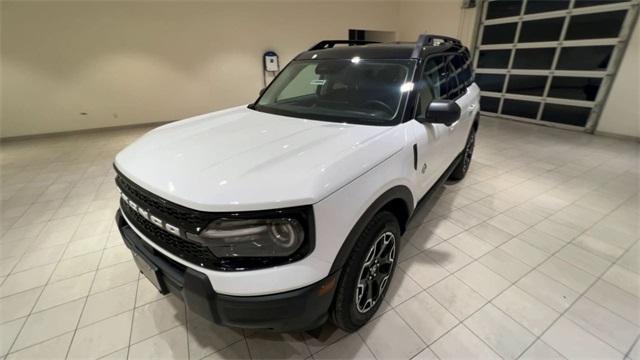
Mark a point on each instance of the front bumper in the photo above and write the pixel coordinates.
(301, 309)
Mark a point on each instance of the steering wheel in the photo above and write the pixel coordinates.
(379, 104)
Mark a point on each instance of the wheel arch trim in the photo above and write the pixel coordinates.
(397, 193)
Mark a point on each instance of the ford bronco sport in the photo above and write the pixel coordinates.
(288, 212)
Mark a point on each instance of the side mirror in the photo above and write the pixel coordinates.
(262, 91)
(442, 112)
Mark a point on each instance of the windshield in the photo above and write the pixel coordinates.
(352, 90)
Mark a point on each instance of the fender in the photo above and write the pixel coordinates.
(399, 192)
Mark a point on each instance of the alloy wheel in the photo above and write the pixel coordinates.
(375, 272)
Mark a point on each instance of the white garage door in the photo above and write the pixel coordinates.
(550, 61)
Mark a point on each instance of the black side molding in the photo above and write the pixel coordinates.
(415, 156)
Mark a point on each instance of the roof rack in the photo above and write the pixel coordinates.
(328, 44)
(429, 40)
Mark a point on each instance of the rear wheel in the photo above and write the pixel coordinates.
(463, 166)
(366, 276)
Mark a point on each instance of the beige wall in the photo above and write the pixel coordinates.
(621, 114)
(444, 17)
(135, 62)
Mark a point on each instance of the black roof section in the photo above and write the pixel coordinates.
(426, 44)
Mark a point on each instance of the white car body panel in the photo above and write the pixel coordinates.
(240, 160)
(215, 162)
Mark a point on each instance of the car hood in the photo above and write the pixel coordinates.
(240, 159)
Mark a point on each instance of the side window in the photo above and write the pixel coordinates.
(452, 81)
(430, 84)
(462, 64)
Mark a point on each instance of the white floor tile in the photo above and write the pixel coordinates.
(505, 336)
(604, 324)
(101, 338)
(505, 265)
(25, 280)
(237, 351)
(64, 291)
(524, 252)
(108, 303)
(49, 323)
(206, 337)
(427, 317)
(457, 297)
(552, 293)
(390, 337)
(55, 348)
(491, 234)
(171, 344)
(424, 270)
(156, 317)
(115, 275)
(481, 279)
(460, 343)
(567, 274)
(624, 279)
(470, 244)
(9, 331)
(583, 259)
(541, 351)
(616, 300)
(573, 342)
(526, 310)
(269, 345)
(350, 347)
(18, 305)
(448, 256)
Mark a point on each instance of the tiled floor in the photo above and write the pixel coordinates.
(534, 255)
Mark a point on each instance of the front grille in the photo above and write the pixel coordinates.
(179, 215)
(189, 251)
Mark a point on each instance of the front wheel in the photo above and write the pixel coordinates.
(463, 166)
(366, 276)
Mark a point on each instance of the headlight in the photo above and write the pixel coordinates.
(233, 238)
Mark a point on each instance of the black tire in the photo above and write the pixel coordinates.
(463, 166)
(351, 308)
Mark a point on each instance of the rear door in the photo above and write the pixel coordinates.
(466, 96)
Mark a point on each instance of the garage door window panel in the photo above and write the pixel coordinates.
(493, 59)
(566, 114)
(533, 58)
(596, 26)
(541, 30)
(489, 104)
(499, 34)
(585, 58)
(575, 88)
(503, 8)
(539, 6)
(527, 85)
(520, 108)
(490, 82)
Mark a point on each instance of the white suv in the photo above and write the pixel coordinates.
(289, 211)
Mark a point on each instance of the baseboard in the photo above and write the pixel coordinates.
(617, 136)
(81, 131)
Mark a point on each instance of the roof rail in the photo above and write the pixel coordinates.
(428, 40)
(328, 44)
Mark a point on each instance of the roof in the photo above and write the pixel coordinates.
(326, 49)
